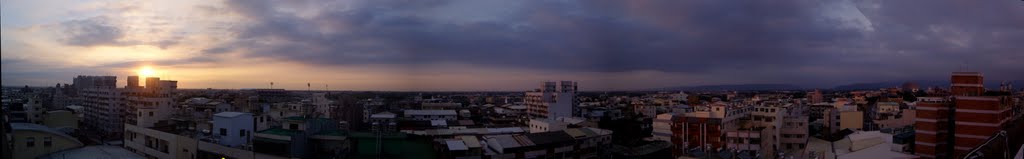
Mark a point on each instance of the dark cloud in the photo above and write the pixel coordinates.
(217, 50)
(90, 32)
(897, 39)
(105, 31)
(179, 63)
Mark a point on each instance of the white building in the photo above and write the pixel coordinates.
(234, 129)
(323, 105)
(146, 105)
(34, 111)
(662, 127)
(551, 100)
(103, 110)
(431, 114)
(547, 125)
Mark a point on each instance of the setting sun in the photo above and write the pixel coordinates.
(146, 72)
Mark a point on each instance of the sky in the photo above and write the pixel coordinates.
(502, 45)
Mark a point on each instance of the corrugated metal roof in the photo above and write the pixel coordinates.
(471, 141)
(575, 133)
(438, 123)
(229, 114)
(456, 145)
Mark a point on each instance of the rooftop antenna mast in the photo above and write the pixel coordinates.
(964, 66)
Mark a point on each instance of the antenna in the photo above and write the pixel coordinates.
(964, 66)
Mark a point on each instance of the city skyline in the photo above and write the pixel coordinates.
(509, 45)
(508, 79)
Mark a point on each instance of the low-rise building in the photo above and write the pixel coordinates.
(844, 117)
(546, 125)
(233, 129)
(430, 115)
(756, 140)
(34, 140)
(98, 151)
(569, 143)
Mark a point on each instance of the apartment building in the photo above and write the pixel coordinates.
(552, 100)
(950, 126)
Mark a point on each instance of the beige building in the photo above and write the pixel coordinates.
(158, 144)
(747, 137)
(34, 140)
(845, 117)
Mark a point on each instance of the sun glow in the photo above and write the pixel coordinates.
(146, 71)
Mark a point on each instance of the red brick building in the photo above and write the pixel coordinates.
(950, 126)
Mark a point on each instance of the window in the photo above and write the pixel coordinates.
(241, 132)
(223, 132)
(293, 126)
(163, 146)
(47, 141)
(150, 113)
(30, 142)
(755, 141)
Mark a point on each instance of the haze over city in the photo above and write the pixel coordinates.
(509, 45)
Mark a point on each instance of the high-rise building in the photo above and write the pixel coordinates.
(552, 100)
(950, 126)
(133, 82)
(83, 82)
(144, 105)
(104, 112)
(932, 127)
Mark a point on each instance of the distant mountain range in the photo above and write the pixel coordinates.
(991, 84)
(732, 87)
